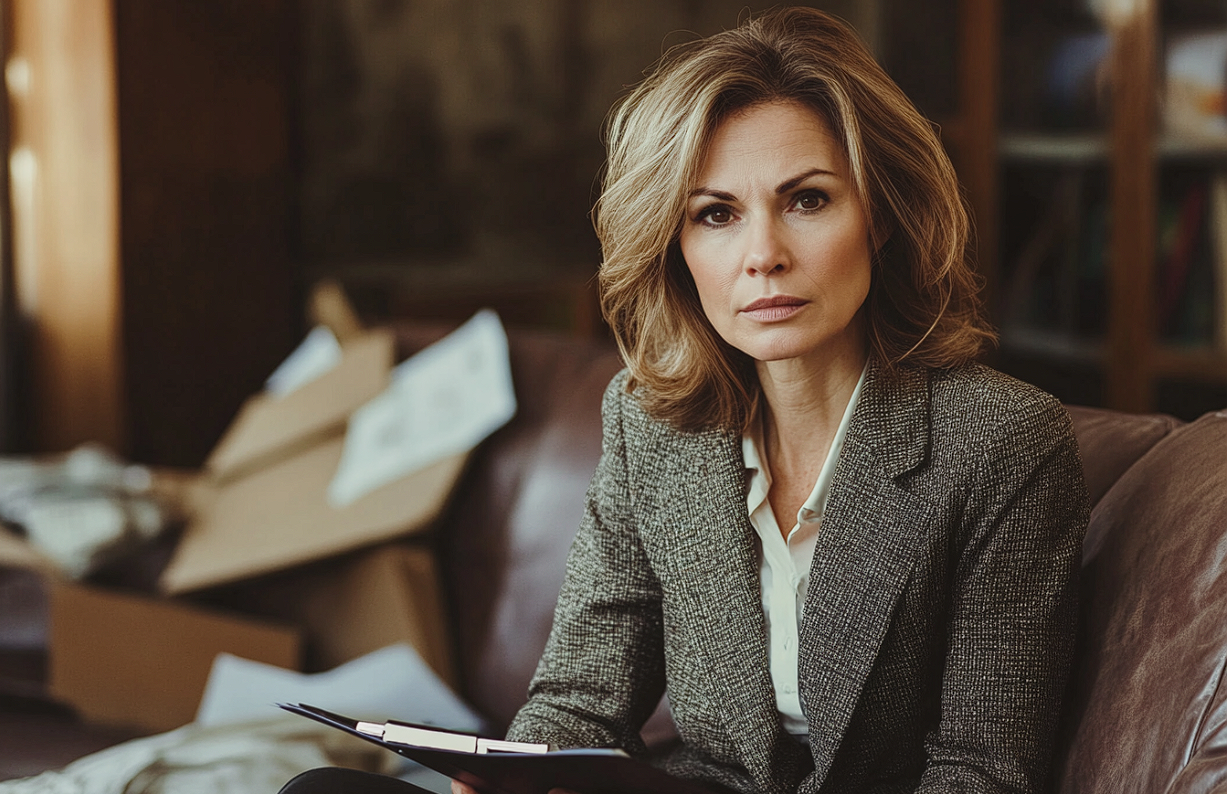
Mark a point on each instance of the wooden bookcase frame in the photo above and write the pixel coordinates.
(1132, 359)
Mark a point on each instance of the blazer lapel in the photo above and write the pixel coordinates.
(866, 550)
(719, 563)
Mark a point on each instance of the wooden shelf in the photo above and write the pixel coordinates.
(1196, 364)
(1204, 364)
(1041, 147)
(1054, 345)
(1094, 148)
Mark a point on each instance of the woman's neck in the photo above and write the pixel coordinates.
(804, 402)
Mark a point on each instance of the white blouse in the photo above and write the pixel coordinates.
(784, 566)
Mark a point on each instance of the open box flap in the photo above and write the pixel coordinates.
(279, 516)
(268, 427)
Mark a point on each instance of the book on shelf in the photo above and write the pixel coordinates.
(1055, 284)
(1191, 267)
(495, 766)
(1183, 302)
(1076, 80)
(1218, 227)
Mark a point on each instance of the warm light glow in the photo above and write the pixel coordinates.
(23, 182)
(1115, 13)
(17, 76)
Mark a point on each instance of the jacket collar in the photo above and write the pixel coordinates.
(891, 424)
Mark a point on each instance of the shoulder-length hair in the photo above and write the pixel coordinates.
(923, 307)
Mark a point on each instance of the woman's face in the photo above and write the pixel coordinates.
(776, 239)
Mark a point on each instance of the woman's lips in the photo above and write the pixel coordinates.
(774, 309)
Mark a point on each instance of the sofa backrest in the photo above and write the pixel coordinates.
(1148, 712)
(1111, 442)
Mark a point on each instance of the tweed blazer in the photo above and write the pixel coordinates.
(938, 627)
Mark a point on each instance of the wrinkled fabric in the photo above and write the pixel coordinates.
(250, 758)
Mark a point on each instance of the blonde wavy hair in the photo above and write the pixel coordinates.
(923, 307)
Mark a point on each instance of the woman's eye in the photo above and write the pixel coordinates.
(810, 200)
(716, 215)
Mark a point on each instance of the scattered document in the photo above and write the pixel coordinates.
(316, 355)
(391, 682)
(441, 402)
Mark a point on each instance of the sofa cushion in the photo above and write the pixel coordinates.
(1149, 713)
(1112, 441)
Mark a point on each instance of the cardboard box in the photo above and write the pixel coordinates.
(350, 606)
(386, 596)
(262, 508)
(140, 662)
(279, 516)
(267, 508)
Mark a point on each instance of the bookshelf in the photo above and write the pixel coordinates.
(1100, 229)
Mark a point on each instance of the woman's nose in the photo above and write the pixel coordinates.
(766, 250)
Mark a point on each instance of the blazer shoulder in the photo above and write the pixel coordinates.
(621, 402)
(624, 406)
(983, 420)
(985, 432)
(625, 419)
(615, 391)
(976, 391)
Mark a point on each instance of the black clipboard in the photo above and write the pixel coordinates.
(587, 771)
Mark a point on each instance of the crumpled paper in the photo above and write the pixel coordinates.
(83, 509)
(248, 758)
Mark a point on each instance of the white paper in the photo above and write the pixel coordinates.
(443, 401)
(391, 683)
(317, 354)
(1195, 84)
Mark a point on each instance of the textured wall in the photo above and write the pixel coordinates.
(443, 137)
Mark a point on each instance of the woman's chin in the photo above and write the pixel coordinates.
(768, 353)
(801, 349)
(778, 344)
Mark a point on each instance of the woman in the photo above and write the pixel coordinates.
(845, 551)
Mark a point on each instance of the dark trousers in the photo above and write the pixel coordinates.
(335, 780)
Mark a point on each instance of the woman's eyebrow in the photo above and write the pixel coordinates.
(783, 187)
(707, 191)
(788, 185)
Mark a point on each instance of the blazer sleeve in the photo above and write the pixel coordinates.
(1013, 608)
(602, 671)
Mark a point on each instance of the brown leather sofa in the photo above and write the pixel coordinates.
(1146, 710)
(1146, 714)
